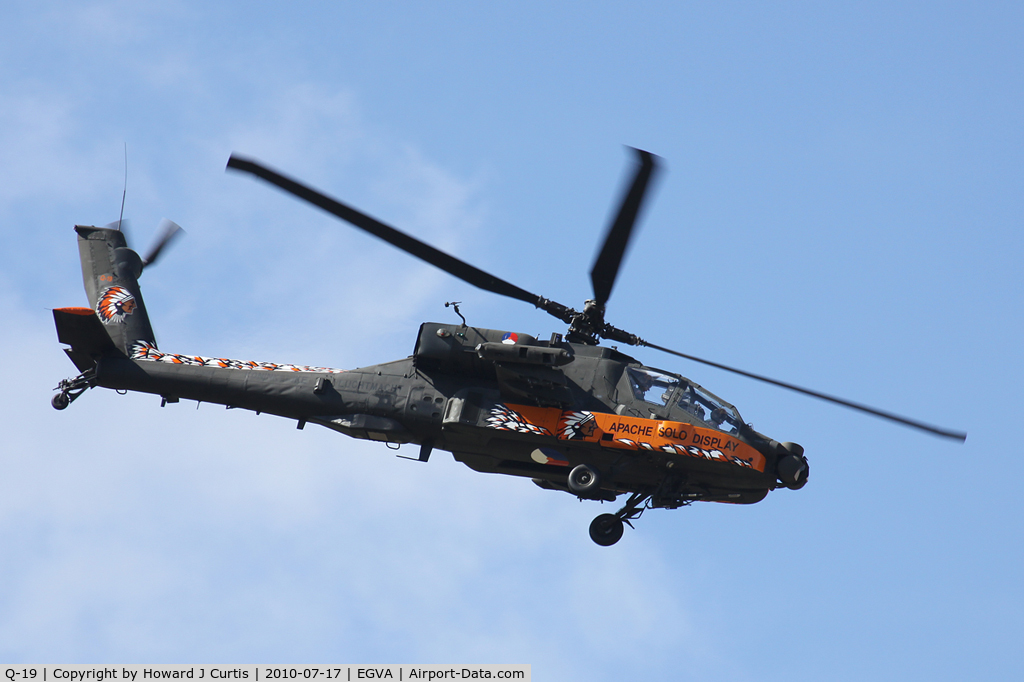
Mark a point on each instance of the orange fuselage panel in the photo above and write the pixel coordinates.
(637, 433)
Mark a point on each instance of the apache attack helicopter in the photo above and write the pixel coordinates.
(567, 412)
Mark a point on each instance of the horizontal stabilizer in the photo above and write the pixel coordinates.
(83, 331)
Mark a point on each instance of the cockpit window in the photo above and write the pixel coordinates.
(652, 386)
(663, 389)
(709, 408)
(689, 402)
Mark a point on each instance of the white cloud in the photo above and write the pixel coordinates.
(132, 532)
(43, 153)
(174, 534)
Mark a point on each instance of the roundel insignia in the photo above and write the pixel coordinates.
(549, 456)
(510, 338)
(115, 304)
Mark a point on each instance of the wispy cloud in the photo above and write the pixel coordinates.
(131, 532)
(135, 533)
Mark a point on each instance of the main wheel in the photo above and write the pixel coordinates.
(60, 401)
(606, 530)
(584, 480)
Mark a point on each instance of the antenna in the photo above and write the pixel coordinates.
(455, 304)
(125, 192)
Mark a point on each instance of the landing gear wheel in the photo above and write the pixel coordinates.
(584, 480)
(68, 390)
(606, 530)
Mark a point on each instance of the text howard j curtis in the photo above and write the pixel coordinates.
(149, 674)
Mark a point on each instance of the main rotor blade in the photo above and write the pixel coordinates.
(955, 435)
(168, 231)
(410, 245)
(606, 265)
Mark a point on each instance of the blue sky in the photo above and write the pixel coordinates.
(840, 208)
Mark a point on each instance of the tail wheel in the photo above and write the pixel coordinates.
(606, 529)
(584, 480)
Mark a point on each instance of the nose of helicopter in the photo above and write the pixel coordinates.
(793, 468)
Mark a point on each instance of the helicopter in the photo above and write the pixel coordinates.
(567, 412)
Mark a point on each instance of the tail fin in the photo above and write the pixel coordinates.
(111, 273)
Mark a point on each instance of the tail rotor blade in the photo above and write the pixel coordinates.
(606, 265)
(168, 231)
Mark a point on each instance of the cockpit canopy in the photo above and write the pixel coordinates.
(677, 393)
